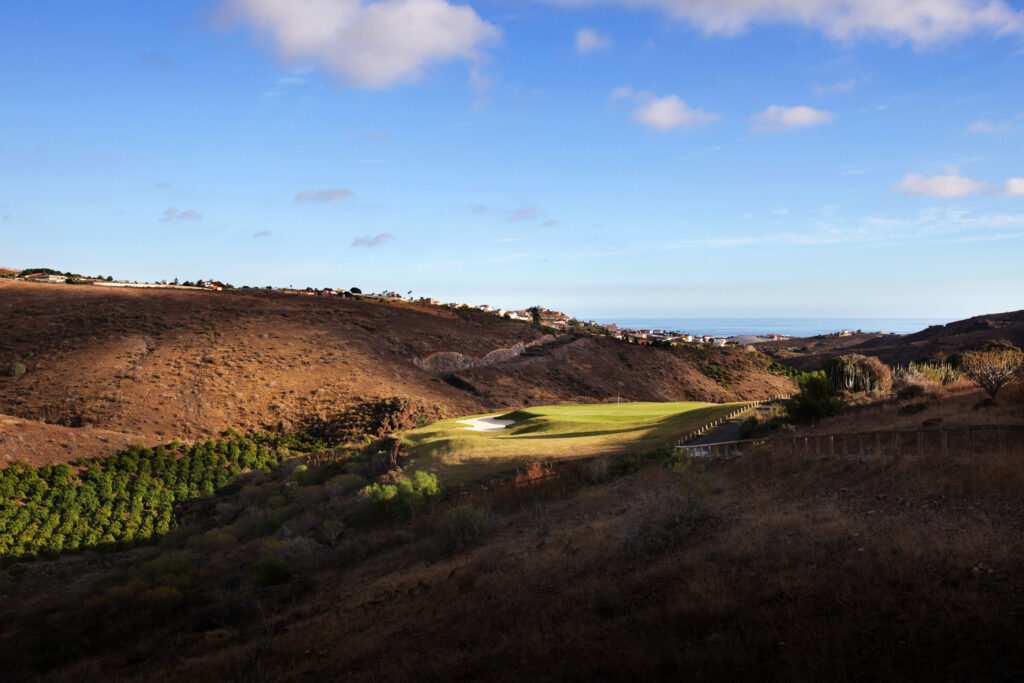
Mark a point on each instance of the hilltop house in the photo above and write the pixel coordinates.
(43, 277)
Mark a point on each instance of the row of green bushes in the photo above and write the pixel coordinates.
(125, 499)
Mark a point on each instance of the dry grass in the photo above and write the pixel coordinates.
(792, 570)
(952, 405)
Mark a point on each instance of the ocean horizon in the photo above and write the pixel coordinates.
(794, 327)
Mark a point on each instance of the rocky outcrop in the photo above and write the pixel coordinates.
(445, 363)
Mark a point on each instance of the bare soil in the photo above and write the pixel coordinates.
(162, 364)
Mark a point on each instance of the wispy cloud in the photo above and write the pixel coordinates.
(1014, 187)
(920, 22)
(175, 214)
(374, 241)
(932, 225)
(986, 127)
(779, 118)
(261, 233)
(525, 213)
(589, 40)
(371, 45)
(838, 88)
(334, 194)
(626, 92)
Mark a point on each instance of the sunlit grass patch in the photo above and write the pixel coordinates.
(458, 454)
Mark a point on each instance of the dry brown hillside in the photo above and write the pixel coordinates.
(174, 363)
(810, 353)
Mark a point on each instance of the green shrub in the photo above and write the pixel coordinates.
(405, 498)
(15, 369)
(856, 373)
(939, 372)
(817, 400)
(717, 373)
(333, 530)
(270, 571)
(463, 527)
(749, 426)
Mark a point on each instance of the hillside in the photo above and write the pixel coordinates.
(172, 363)
(810, 353)
(789, 569)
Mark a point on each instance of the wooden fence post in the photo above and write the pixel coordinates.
(945, 443)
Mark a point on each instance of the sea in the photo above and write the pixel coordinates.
(793, 327)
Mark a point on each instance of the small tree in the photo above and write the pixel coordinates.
(993, 367)
(817, 400)
(356, 290)
(535, 313)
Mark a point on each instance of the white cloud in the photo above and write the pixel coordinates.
(334, 194)
(1014, 187)
(985, 127)
(777, 117)
(589, 40)
(922, 22)
(665, 113)
(949, 184)
(368, 44)
(175, 214)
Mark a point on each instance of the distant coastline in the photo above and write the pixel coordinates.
(794, 327)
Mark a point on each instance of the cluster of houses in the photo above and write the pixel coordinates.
(664, 336)
(675, 338)
(548, 317)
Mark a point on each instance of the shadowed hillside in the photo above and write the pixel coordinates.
(894, 349)
(172, 363)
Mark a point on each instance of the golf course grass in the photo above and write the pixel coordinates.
(458, 454)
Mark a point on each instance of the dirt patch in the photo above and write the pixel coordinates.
(38, 444)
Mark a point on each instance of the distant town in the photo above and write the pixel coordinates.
(543, 317)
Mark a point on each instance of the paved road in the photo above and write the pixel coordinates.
(730, 431)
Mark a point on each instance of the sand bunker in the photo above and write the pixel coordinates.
(485, 424)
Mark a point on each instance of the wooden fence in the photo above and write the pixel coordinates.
(970, 440)
(704, 429)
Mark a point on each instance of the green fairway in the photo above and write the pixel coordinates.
(458, 454)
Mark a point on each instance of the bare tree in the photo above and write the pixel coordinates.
(994, 367)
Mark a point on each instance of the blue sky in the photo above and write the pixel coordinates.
(671, 158)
